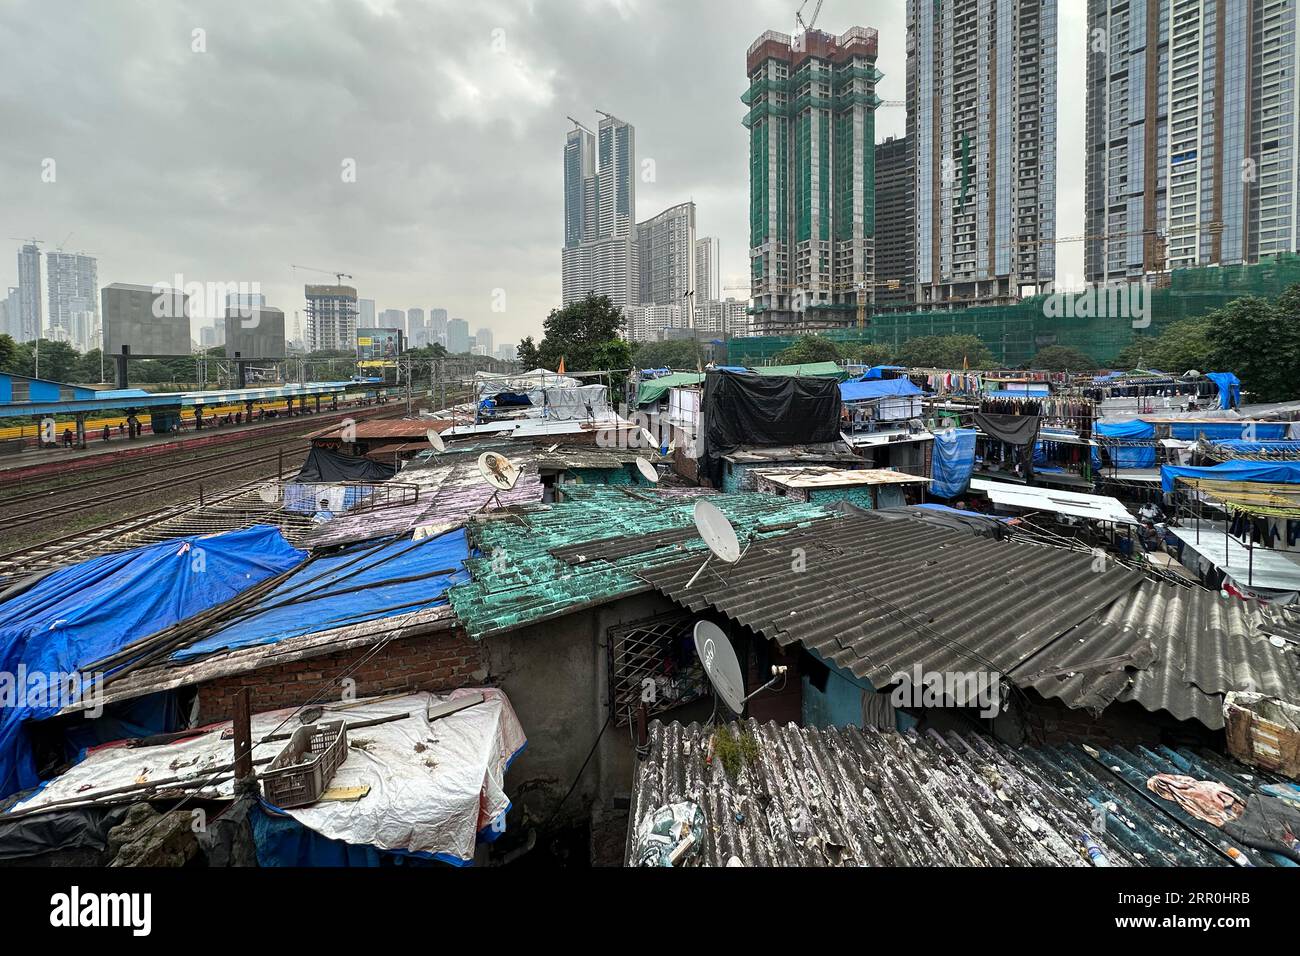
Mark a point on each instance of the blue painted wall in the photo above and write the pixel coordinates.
(840, 705)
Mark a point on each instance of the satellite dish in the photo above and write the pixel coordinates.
(436, 441)
(717, 532)
(498, 470)
(647, 471)
(720, 664)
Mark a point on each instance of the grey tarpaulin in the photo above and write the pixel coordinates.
(748, 409)
(323, 465)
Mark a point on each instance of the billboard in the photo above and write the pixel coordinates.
(255, 332)
(378, 345)
(152, 322)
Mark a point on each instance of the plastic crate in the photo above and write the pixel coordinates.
(303, 770)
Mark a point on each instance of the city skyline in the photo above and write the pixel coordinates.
(462, 215)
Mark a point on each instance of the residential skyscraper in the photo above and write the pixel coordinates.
(483, 339)
(1192, 163)
(331, 317)
(708, 269)
(895, 225)
(812, 103)
(29, 324)
(73, 290)
(414, 322)
(666, 256)
(457, 336)
(599, 252)
(392, 319)
(981, 120)
(438, 327)
(366, 313)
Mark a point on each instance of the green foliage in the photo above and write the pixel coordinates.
(734, 751)
(8, 353)
(426, 352)
(808, 349)
(867, 353)
(527, 353)
(1179, 347)
(945, 351)
(577, 333)
(1063, 358)
(1260, 341)
(675, 353)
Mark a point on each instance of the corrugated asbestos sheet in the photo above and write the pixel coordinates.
(876, 596)
(851, 797)
(519, 580)
(1168, 648)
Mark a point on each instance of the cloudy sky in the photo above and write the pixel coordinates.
(209, 139)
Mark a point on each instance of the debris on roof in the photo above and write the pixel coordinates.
(802, 796)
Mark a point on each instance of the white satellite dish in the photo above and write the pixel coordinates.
(717, 533)
(498, 470)
(720, 664)
(436, 441)
(647, 471)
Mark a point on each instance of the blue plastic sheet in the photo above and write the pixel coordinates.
(877, 371)
(80, 614)
(877, 388)
(1221, 431)
(1133, 456)
(283, 841)
(953, 462)
(1229, 388)
(1265, 472)
(1250, 447)
(396, 576)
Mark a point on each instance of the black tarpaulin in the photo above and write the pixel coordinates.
(748, 409)
(1018, 430)
(323, 465)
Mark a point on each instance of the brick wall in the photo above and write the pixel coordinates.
(432, 662)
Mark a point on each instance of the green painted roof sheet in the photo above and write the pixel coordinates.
(517, 582)
(652, 390)
(807, 370)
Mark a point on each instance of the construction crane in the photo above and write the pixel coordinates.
(578, 123)
(339, 276)
(35, 242)
(798, 16)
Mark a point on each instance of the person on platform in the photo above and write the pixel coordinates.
(67, 438)
(107, 433)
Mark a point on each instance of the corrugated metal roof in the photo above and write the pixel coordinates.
(851, 797)
(520, 580)
(877, 596)
(1168, 648)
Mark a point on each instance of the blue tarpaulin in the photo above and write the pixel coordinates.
(877, 388)
(1219, 431)
(1229, 388)
(81, 614)
(953, 463)
(1134, 456)
(877, 371)
(360, 583)
(1250, 447)
(1265, 472)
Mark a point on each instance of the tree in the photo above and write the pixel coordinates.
(1260, 342)
(867, 353)
(946, 351)
(8, 353)
(808, 349)
(577, 333)
(1063, 358)
(526, 351)
(674, 353)
(1179, 347)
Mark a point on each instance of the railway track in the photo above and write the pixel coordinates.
(71, 500)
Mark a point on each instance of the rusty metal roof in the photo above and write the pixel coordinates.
(803, 796)
(877, 597)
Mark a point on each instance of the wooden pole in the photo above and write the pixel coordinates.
(243, 732)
